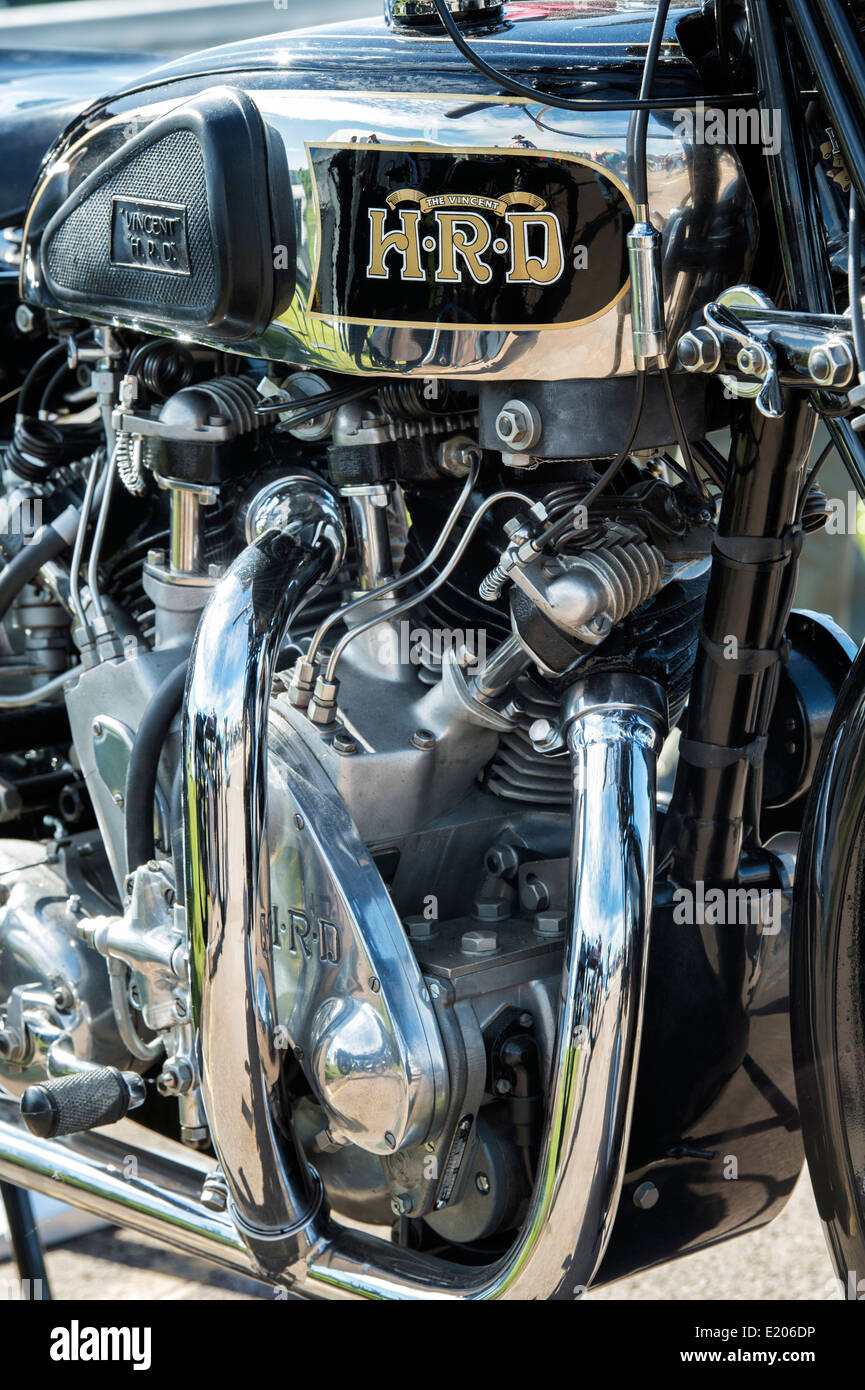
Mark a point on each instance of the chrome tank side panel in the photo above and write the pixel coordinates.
(698, 195)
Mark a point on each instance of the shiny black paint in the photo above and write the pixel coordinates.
(40, 93)
(715, 1127)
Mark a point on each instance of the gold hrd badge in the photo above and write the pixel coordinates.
(458, 228)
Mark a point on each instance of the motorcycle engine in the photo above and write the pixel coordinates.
(417, 303)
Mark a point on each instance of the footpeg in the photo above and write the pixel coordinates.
(84, 1100)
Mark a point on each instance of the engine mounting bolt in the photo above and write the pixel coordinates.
(502, 860)
(482, 1183)
(544, 735)
(402, 1204)
(214, 1193)
(503, 1086)
(526, 1021)
(534, 894)
(63, 999)
(424, 738)
(421, 928)
(550, 924)
(344, 744)
(646, 1196)
(492, 909)
(519, 426)
(479, 943)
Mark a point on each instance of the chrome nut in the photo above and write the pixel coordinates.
(519, 426)
(699, 351)
(831, 364)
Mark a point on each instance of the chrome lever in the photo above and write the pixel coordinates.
(756, 357)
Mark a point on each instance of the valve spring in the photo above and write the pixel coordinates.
(128, 466)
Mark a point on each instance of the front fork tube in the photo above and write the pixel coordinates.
(715, 803)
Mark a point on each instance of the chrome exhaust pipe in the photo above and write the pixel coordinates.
(613, 726)
(272, 1192)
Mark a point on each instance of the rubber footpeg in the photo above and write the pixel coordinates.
(69, 1104)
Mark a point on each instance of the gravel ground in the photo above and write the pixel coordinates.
(784, 1261)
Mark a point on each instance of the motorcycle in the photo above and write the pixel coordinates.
(434, 843)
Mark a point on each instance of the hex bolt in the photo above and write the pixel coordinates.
(421, 928)
(519, 426)
(534, 894)
(214, 1193)
(479, 943)
(491, 909)
(25, 318)
(482, 1183)
(831, 363)
(526, 1021)
(544, 735)
(752, 360)
(503, 1086)
(699, 351)
(502, 860)
(13, 1047)
(73, 904)
(646, 1196)
(176, 1078)
(402, 1204)
(424, 739)
(344, 744)
(550, 924)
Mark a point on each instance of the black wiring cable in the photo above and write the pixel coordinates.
(53, 382)
(313, 406)
(565, 522)
(142, 773)
(520, 89)
(638, 126)
(40, 367)
(681, 436)
(811, 478)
